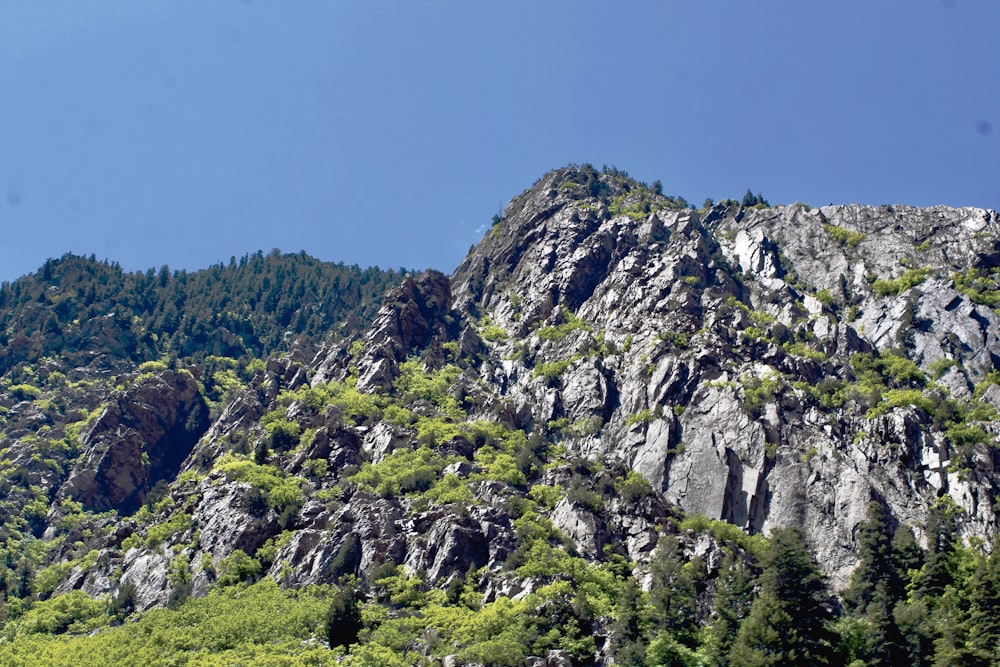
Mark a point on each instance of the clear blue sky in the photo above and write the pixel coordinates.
(182, 133)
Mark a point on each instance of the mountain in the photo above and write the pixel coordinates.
(623, 431)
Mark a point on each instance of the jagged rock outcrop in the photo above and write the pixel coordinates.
(605, 356)
(695, 314)
(412, 316)
(141, 437)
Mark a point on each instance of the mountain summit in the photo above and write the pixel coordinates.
(616, 404)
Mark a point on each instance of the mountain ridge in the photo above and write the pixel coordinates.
(604, 368)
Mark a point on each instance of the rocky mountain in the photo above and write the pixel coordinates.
(605, 410)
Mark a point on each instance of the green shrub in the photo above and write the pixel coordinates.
(900, 370)
(633, 487)
(433, 431)
(940, 367)
(557, 425)
(450, 489)
(911, 278)
(49, 577)
(845, 237)
(560, 331)
(175, 525)
(641, 417)
(282, 435)
(584, 427)
(678, 340)
(25, 392)
(493, 333)
(153, 367)
(280, 491)
(552, 370)
(983, 288)
(895, 398)
(500, 467)
(825, 297)
(757, 391)
(238, 567)
(800, 349)
(403, 471)
(546, 496)
(755, 544)
(415, 383)
(75, 612)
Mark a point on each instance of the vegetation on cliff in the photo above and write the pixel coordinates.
(624, 432)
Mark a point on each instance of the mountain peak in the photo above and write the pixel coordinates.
(614, 390)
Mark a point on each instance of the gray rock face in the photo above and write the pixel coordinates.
(142, 436)
(412, 316)
(691, 316)
(766, 367)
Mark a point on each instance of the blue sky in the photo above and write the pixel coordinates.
(389, 133)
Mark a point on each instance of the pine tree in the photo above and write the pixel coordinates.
(628, 629)
(672, 594)
(984, 612)
(922, 619)
(787, 624)
(876, 587)
(343, 619)
(731, 604)
(876, 563)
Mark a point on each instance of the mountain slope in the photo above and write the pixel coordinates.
(608, 386)
(808, 360)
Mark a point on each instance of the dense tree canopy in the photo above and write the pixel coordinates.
(252, 307)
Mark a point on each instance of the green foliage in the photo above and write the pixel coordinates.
(724, 531)
(825, 297)
(403, 471)
(237, 567)
(800, 349)
(845, 237)
(642, 417)
(633, 487)
(895, 398)
(980, 286)
(940, 367)
(673, 595)
(415, 383)
(546, 496)
(754, 200)
(675, 339)
(355, 407)
(153, 367)
(758, 391)
(175, 525)
(570, 324)
(48, 578)
(490, 331)
(240, 310)
(868, 631)
(343, 619)
(899, 370)
(282, 435)
(281, 491)
(552, 370)
(787, 623)
(733, 600)
(74, 613)
(25, 392)
(911, 278)
(450, 489)
(256, 625)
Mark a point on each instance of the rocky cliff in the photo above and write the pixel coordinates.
(719, 352)
(606, 361)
